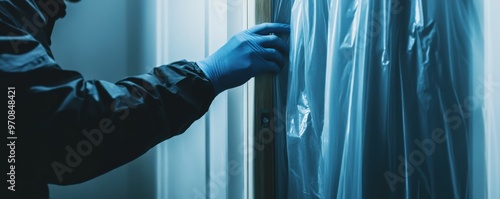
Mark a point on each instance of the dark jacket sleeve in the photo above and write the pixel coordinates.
(70, 130)
(109, 124)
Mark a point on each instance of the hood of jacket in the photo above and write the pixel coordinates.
(31, 19)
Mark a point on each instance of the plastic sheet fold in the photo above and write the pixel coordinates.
(379, 100)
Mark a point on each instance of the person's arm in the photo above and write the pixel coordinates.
(69, 130)
(73, 129)
(87, 127)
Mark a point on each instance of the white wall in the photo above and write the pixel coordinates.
(196, 164)
(182, 159)
(92, 39)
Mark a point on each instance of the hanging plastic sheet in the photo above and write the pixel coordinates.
(281, 13)
(379, 100)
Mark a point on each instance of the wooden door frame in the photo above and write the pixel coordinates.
(264, 144)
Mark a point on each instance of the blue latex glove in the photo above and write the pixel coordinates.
(246, 55)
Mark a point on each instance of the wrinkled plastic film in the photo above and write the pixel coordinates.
(306, 97)
(378, 100)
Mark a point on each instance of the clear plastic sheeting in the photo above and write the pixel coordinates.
(281, 13)
(381, 99)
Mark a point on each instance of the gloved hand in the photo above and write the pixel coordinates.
(246, 55)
